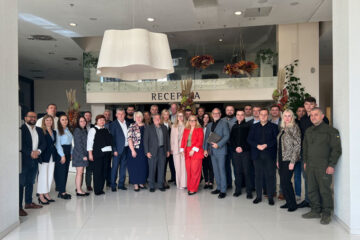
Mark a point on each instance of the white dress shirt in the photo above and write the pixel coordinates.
(125, 131)
(34, 137)
(90, 140)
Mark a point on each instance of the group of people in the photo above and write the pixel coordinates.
(254, 140)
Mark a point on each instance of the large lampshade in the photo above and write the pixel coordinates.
(134, 54)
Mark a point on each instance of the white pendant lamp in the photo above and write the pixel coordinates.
(134, 54)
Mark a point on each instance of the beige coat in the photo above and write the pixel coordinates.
(175, 139)
(290, 144)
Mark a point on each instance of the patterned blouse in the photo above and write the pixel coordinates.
(134, 134)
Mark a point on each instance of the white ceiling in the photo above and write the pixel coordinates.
(51, 17)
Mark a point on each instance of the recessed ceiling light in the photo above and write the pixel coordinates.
(93, 18)
(238, 13)
(294, 3)
(220, 39)
(150, 19)
(73, 24)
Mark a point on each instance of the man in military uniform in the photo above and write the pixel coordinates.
(321, 151)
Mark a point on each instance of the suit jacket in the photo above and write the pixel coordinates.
(50, 149)
(222, 129)
(197, 139)
(175, 139)
(118, 136)
(27, 147)
(151, 142)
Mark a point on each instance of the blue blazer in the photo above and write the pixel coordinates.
(221, 129)
(26, 146)
(50, 149)
(118, 136)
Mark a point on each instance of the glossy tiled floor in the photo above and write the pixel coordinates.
(171, 215)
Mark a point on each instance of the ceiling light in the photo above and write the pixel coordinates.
(73, 24)
(150, 19)
(238, 13)
(93, 18)
(220, 39)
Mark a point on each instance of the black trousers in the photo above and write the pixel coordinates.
(286, 184)
(265, 166)
(89, 173)
(101, 163)
(241, 163)
(62, 170)
(208, 170)
(170, 162)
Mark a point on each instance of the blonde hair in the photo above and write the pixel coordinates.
(176, 122)
(138, 113)
(164, 111)
(187, 125)
(43, 125)
(291, 124)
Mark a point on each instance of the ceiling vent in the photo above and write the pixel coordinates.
(70, 58)
(205, 3)
(42, 38)
(35, 71)
(39, 77)
(257, 12)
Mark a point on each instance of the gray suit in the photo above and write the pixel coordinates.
(218, 155)
(158, 158)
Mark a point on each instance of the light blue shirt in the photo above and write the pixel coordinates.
(65, 139)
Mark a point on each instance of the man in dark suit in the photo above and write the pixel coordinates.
(119, 130)
(32, 144)
(157, 149)
(90, 167)
(218, 150)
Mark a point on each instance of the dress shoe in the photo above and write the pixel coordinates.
(162, 189)
(303, 204)
(142, 187)
(236, 194)
(206, 186)
(49, 200)
(281, 196)
(257, 200)
(43, 203)
(210, 186)
(284, 206)
(292, 209)
(136, 189)
(81, 194)
(89, 188)
(271, 202)
(222, 195)
(191, 193)
(113, 189)
(311, 215)
(122, 188)
(325, 219)
(152, 189)
(22, 213)
(99, 193)
(167, 187)
(171, 180)
(64, 196)
(32, 206)
(249, 196)
(215, 191)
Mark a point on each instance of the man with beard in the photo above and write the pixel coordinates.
(32, 145)
(130, 114)
(200, 115)
(230, 119)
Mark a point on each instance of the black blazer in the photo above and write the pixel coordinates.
(50, 149)
(151, 143)
(238, 136)
(26, 146)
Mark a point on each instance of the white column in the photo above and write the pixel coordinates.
(346, 87)
(9, 122)
(96, 109)
(301, 41)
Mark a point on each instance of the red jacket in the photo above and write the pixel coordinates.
(197, 139)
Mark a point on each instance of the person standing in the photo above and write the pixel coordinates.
(119, 131)
(256, 115)
(321, 152)
(157, 148)
(217, 150)
(305, 123)
(138, 164)
(241, 154)
(176, 135)
(130, 114)
(90, 167)
(230, 119)
(80, 155)
(64, 148)
(173, 110)
(188, 113)
(32, 145)
(288, 153)
(47, 161)
(248, 113)
(107, 115)
(50, 110)
(147, 118)
(191, 147)
(200, 115)
(99, 146)
(154, 109)
(262, 139)
(165, 120)
(207, 165)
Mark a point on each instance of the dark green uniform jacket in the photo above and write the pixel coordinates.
(321, 146)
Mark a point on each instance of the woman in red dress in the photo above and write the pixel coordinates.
(191, 147)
